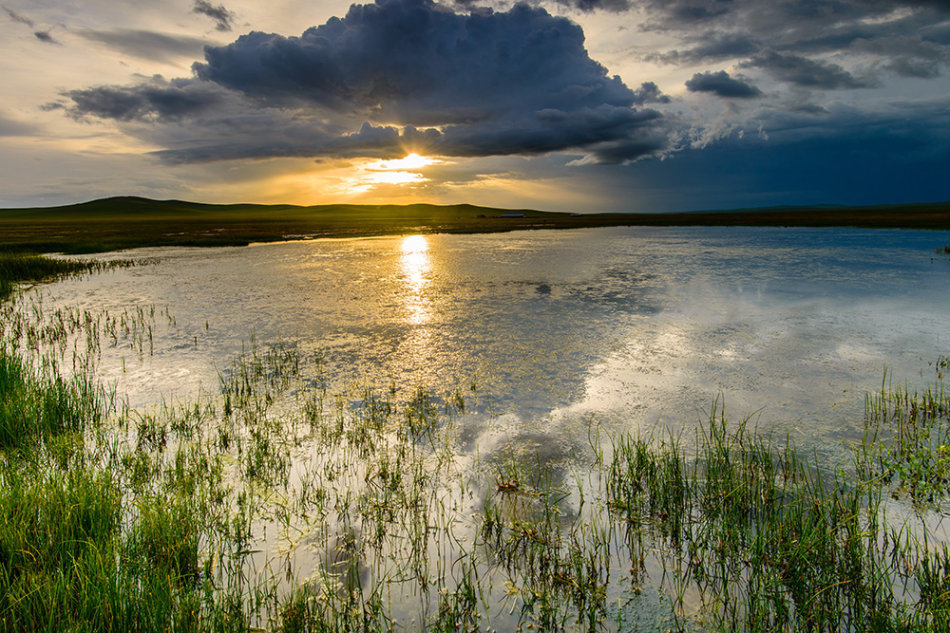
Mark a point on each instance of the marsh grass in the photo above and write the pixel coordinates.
(16, 268)
(37, 404)
(283, 502)
(907, 438)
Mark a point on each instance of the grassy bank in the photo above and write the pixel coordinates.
(280, 504)
(117, 223)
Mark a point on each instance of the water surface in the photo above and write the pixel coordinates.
(628, 326)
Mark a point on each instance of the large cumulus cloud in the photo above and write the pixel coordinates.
(389, 75)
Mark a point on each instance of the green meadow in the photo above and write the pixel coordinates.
(127, 222)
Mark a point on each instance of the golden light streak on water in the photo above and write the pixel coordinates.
(416, 265)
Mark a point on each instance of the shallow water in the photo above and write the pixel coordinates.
(563, 334)
(633, 326)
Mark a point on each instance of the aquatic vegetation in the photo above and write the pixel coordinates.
(908, 438)
(26, 267)
(34, 406)
(17, 268)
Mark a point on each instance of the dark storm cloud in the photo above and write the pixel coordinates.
(805, 72)
(721, 84)
(649, 92)
(844, 156)
(598, 5)
(792, 40)
(420, 64)
(712, 47)
(587, 6)
(486, 83)
(162, 47)
(222, 17)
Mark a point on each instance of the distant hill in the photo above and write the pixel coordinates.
(129, 222)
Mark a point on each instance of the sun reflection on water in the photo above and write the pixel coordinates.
(416, 265)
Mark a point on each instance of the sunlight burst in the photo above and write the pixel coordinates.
(409, 162)
(398, 171)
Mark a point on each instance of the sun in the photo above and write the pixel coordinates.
(409, 162)
(397, 171)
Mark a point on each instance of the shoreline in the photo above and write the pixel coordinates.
(126, 223)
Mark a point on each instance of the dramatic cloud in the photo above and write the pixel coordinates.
(598, 5)
(587, 6)
(149, 45)
(715, 47)
(793, 41)
(723, 85)
(398, 73)
(806, 72)
(649, 92)
(157, 100)
(222, 17)
(419, 64)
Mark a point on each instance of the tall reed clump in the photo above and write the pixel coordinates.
(84, 545)
(907, 437)
(16, 268)
(67, 563)
(756, 539)
(58, 552)
(35, 405)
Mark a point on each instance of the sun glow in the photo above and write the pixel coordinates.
(398, 171)
(410, 162)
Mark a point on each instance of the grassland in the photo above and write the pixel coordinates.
(279, 504)
(128, 222)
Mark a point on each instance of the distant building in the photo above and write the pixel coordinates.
(512, 215)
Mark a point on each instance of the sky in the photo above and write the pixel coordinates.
(564, 105)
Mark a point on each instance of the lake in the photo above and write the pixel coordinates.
(637, 326)
(434, 417)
